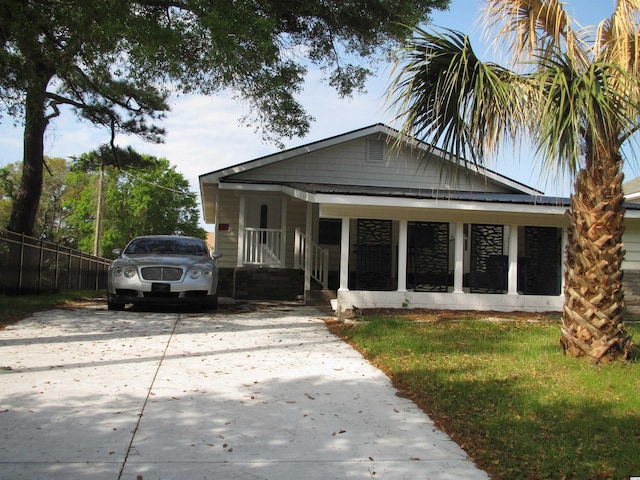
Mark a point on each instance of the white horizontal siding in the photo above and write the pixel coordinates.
(227, 241)
(346, 164)
(631, 240)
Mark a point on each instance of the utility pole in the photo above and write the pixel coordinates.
(97, 243)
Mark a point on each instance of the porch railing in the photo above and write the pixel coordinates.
(311, 258)
(262, 246)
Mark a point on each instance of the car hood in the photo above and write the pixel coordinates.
(171, 260)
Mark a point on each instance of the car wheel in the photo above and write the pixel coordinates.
(212, 303)
(114, 305)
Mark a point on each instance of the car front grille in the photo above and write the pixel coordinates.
(165, 274)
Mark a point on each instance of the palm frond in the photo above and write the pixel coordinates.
(618, 37)
(576, 105)
(443, 94)
(533, 28)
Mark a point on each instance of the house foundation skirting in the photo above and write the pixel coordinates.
(350, 299)
(264, 283)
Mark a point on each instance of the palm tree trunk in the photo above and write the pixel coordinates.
(592, 323)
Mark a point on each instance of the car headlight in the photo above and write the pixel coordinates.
(128, 272)
(195, 272)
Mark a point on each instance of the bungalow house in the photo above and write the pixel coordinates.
(378, 221)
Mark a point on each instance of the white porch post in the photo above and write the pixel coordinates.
(402, 256)
(307, 250)
(458, 270)
(216, 237)
(512, 288)
(240, 260)
(344, 254)
(283, 232)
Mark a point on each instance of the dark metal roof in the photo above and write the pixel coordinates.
(397, 192)
(514, 198)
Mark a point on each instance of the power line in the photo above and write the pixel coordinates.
(180, 192)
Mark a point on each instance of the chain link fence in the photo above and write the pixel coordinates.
(32, 266)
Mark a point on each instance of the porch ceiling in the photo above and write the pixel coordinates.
(444, 214)
(410, 204)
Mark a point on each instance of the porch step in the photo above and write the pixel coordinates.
(320, 298)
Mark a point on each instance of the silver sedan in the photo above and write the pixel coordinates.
(163, 270)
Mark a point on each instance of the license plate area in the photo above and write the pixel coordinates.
(160, 288)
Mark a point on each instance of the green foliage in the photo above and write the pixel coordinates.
(112, 156)
(50, 218)
(154, 201)
(503, 392)
(142, 195)
(9, 175)
(114, 62)
(147, 196)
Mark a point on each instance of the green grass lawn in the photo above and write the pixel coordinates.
(505, 392)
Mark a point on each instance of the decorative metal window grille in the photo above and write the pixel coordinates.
(542, 259)
(373, 255)
(428, 256)
(488, 269)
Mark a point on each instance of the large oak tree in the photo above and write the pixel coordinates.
(114, 62)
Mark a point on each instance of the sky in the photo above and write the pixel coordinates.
(205, 134)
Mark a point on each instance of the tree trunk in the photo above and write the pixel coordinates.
(27, 200)
(592, 323)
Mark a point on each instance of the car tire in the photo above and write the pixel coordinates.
(212, 303)
(114, 305)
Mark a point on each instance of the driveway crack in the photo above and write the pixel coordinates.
(146, 400)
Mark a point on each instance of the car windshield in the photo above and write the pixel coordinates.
(166, 246)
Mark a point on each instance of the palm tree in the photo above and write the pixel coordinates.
(574, 93)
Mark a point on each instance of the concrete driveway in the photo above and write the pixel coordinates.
(257, 391)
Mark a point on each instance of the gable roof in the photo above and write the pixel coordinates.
(380, 129)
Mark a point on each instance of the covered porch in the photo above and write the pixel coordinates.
(451, 254)
(470, 267)
(418, 253)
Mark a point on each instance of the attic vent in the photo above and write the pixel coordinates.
(375, 150)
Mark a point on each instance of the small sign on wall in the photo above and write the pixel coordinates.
(224, 227)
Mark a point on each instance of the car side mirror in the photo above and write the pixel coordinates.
(216, 255)
(116, 252)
